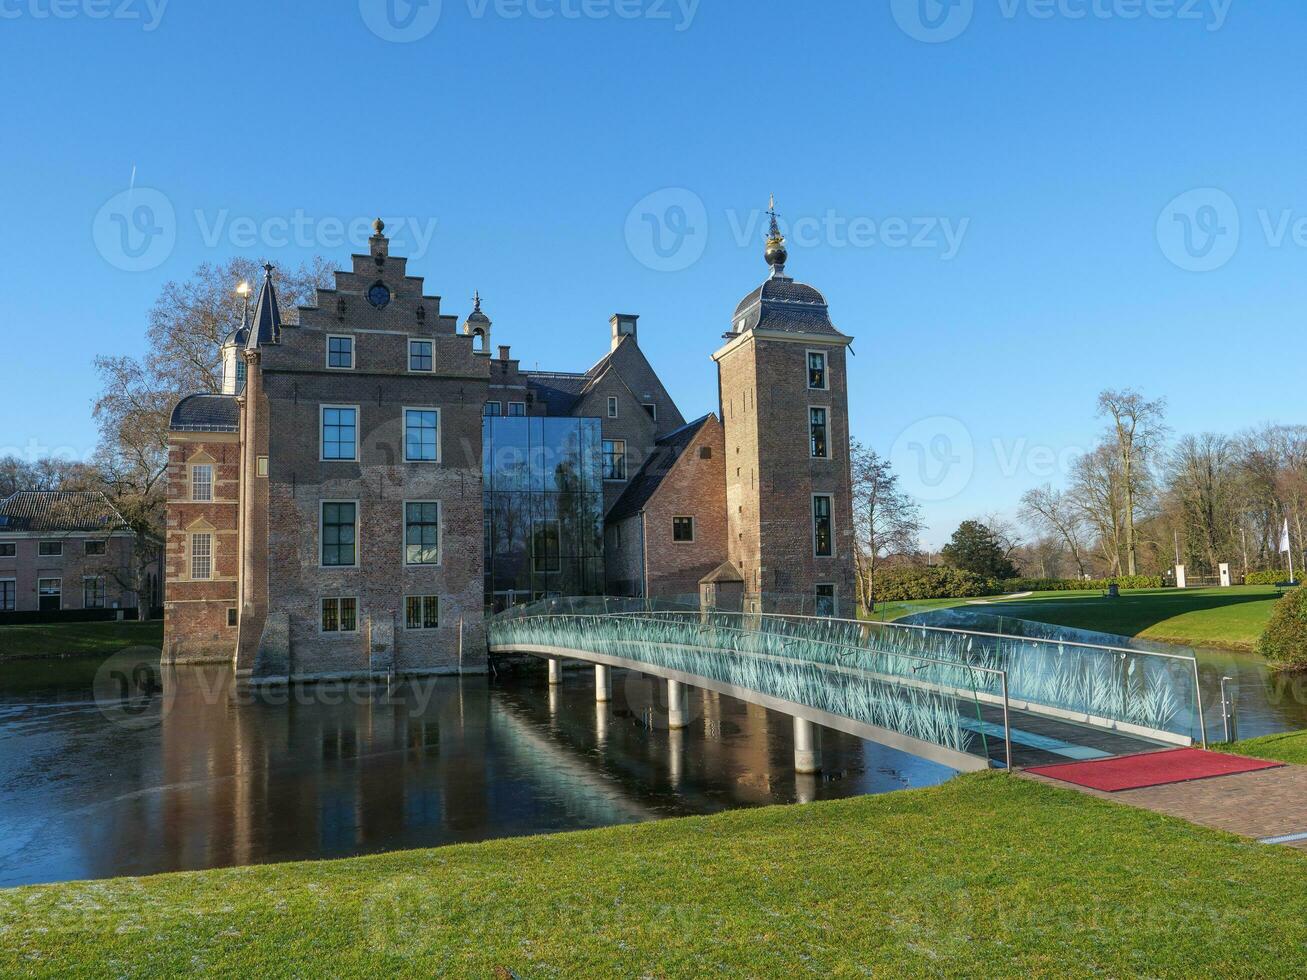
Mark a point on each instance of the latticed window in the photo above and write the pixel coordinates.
(421, 435)
(422, 533)
(494, 409)
(202, 482)
(339, 534)
(339, 615)
(817, 426)
(93, 593)
(546, 547)
(817, 370)
(340, 352)
(422, 612)
(614, 459)
(683, 529)
(339, 433)
(419, 355)
(823, 538)
(8, 595)
(201, 556)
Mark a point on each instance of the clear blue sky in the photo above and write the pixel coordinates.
(1054, 143)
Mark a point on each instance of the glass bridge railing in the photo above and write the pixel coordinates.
(1150, 694)
(947, 703)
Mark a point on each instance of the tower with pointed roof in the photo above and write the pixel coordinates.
(784, 406)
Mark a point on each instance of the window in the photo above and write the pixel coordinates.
(683, 529)
(50, 549)
(339, 432)
(817, 370)
(817, 427)
(8, 595)
(95, 549)
(823, 538)
(422, 435)
(202, 483)
(652, 409)
(614, 459)
(201, 556)
(339, 534)
(49, 593)
(240, 376)
(494, 409)
(92, 593)
(8, 549)
(422, 612)
(546, 547)
(517, 409)
(340, 353)
(612, 407)
(422, 533)
(261, 466)
(825, 604)
(340, 615)
(233, 618)
(419, 355)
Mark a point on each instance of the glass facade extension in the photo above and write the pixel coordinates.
(544, 508)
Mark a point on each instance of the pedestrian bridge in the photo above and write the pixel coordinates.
(967, 700)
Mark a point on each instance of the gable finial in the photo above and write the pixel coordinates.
(775, 252)
(476, 301)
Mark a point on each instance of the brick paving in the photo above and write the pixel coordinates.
(1268, 803)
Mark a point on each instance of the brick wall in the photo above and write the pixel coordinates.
(695, 487)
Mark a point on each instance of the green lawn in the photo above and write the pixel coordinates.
(1285, 747)
(1231, 619)
(987, 875)
(77, 639)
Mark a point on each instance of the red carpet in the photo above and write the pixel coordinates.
(1151, 769)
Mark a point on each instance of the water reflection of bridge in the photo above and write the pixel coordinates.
(965, 700)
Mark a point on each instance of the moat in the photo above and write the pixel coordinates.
(204, 774)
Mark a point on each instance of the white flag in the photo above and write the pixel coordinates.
(1285, 546)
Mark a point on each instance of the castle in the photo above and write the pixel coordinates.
(373, 481)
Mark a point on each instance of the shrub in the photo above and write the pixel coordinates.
(1266, 578)
(1076, 584)
(1285, 641)
(905, 584)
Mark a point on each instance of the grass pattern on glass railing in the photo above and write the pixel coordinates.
(918, 700)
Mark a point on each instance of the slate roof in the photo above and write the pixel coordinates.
(558, 392)
(645, 484)
(725, 572)
(206, 413)
(59, 512)
(782, 304)
(267, 315)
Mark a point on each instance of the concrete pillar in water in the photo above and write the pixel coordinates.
(555, 671)
(807, 747)
(805, 787)
(603, 682)
(601, 723)
(675, 757)
(678, 705)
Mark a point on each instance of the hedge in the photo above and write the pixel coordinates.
(1285, 641)
(1077, 584)
(1266, 578)
(935, 582)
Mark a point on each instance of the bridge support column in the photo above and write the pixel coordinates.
(555, 671)
(807, 747)
(678, 705)
(603, 683)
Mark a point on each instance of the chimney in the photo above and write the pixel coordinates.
(623, 326)
(503, 352)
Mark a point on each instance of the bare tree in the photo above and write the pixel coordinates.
(1056, 514)
(1096, 492)
(887, 522)
(1138, 430)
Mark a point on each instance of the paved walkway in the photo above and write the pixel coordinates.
(1264, 805)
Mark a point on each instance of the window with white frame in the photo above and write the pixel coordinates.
(96, 549)
(8, 549)
(339, 534)
(201, 556)
(823, 531)
(340, 615)
(494, 409)
(817, 370)
(818, 445)
(516, 409)
(422, 435)
(683, 530)
(612, 406)
(422, 612)
(420, 355)
(422, 533)
(340, 352)
(50, 549)
(652, 409)
(93, 592)
(202, 482)
(49, 594)
(339, 432)
(8, 595)
(614, 459)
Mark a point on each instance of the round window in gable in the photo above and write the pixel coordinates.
(379, 295)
